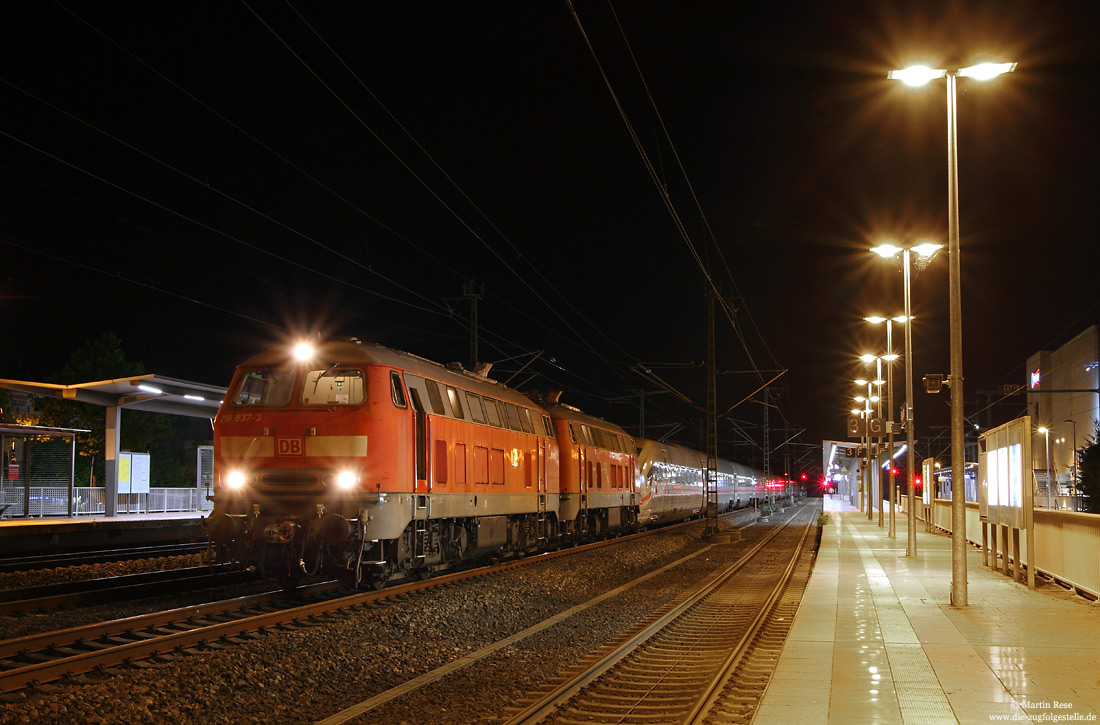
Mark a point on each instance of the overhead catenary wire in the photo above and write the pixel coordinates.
(450, 209)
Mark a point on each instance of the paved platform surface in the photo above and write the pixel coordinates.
(875, 639)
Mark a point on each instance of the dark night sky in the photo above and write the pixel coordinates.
(205, 179)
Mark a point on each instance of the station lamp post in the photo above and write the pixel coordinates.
(1050, 474)
(867, 481)
(924, 251)
(917, 76)
(889, 357)
(1073, 480)
(877, 359)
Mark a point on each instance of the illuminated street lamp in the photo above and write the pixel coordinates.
(925, 252)
(916, 76)
(889, 357)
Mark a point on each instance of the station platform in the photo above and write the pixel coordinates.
(876, 640)
(25, 536)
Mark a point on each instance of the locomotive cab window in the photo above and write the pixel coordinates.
(397, 393)
(334, 386)
(265, 388)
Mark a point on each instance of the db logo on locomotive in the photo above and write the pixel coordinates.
(288, 446)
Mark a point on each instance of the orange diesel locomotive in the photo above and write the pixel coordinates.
(378, 464)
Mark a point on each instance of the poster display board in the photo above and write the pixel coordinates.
(1004, 474)
(133, 472)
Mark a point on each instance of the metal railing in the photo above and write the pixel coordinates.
(54, 501)
(1067, 543)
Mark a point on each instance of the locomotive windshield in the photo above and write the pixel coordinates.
(334, 386)
(267, 387)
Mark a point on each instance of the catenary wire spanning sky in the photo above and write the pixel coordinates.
(205, 179)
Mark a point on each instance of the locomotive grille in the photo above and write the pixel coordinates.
(291, 481)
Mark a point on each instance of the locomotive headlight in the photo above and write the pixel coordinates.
(303, 351)
(235, 479)
(346, 479)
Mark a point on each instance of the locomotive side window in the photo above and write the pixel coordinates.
(548, 425)
(525, 420)
(586, 435)
(397, 393)
(513, 417)
(456, 404)
(572, 434)
(265, 387)
(473, 402)
(334, 386)
(434, 397)
(492, 412)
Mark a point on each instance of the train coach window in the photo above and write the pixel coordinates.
(334, 386)
(397, 393)
(473, 403)
(265, 387)
(456, 404)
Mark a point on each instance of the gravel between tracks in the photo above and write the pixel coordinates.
(305, 675)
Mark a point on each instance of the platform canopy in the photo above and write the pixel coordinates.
(152, 393)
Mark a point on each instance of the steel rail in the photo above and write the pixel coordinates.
(550, 703)
(95, 591)
(74, 662)
(74, 558)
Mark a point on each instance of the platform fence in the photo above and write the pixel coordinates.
(54, 501)
(1067, 543)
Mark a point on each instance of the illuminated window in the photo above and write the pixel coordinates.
(456, 404)
(334, 386)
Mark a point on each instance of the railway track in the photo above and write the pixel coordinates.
(38, 659)
(76, 558)
(705, 658)
(120, 588)
(395, 704)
